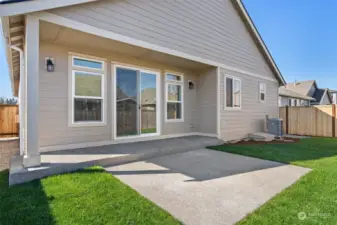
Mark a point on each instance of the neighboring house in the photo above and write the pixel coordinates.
(333, 94)
(211, 71)
(288, 97)
(309, 88)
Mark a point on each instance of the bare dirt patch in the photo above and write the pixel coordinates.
(285, 140)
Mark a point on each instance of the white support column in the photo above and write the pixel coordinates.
(32, 156)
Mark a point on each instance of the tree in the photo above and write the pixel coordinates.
(8, 101)
(2, 100)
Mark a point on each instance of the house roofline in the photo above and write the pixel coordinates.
(293, 96)
(326, 92)
(260, 40)
(23, 7)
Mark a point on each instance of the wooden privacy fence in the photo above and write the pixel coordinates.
(9, 119)
(317, 120)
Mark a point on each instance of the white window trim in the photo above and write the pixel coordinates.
(225, 92)
(260, 92)
(71, 96)
(181, 84)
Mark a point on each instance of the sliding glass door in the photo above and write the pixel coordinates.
(136, 102)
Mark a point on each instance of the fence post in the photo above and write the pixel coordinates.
(287, 120)
(333, 120)
(316, 119)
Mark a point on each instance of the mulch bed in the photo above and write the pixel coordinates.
(286, 140)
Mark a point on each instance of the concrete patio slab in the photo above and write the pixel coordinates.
(70, 160)
(206, 186)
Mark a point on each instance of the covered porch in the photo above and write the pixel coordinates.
(51, 95)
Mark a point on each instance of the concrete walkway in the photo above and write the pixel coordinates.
(208, 187)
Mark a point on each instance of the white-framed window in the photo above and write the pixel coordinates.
(262, 92)
(289, 101)
(232, 92)
(174, 105)
(87, 88)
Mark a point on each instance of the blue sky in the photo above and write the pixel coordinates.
(5, 86)
(301, 35)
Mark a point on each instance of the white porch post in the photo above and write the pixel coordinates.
(32, 156)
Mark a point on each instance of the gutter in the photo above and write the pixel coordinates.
(22, 100)
(302, 98)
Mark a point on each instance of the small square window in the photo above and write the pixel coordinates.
(91, 64)
(173, 77)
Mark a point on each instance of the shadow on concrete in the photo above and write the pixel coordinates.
(136, 147)
(202, 165)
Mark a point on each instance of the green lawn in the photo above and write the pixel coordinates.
(315, 194)
(90, 196)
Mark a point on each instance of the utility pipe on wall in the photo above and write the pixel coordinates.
(22, 100)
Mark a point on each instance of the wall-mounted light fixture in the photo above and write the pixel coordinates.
(50, 64)
(190, 85)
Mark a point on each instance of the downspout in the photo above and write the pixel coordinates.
(22, 100)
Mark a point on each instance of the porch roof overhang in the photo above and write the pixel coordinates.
(38, 6)
(283, 91)
(17, 7)
(80, 42)
(13, 31)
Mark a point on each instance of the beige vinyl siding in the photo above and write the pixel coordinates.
(54, 129)
(311, 91)
(209, 29)
(305, 103)
(334, 98)
(207, 101)
(237, 123)
(284, 101)
(325, 100)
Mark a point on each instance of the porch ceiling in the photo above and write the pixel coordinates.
(56, 34)
(15, 35)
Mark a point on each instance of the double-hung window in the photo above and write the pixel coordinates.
(262, 92)
(174, 98)
(87, 91)
(233, 93)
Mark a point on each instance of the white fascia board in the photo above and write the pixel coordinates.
(62, 21)
(36, 5)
